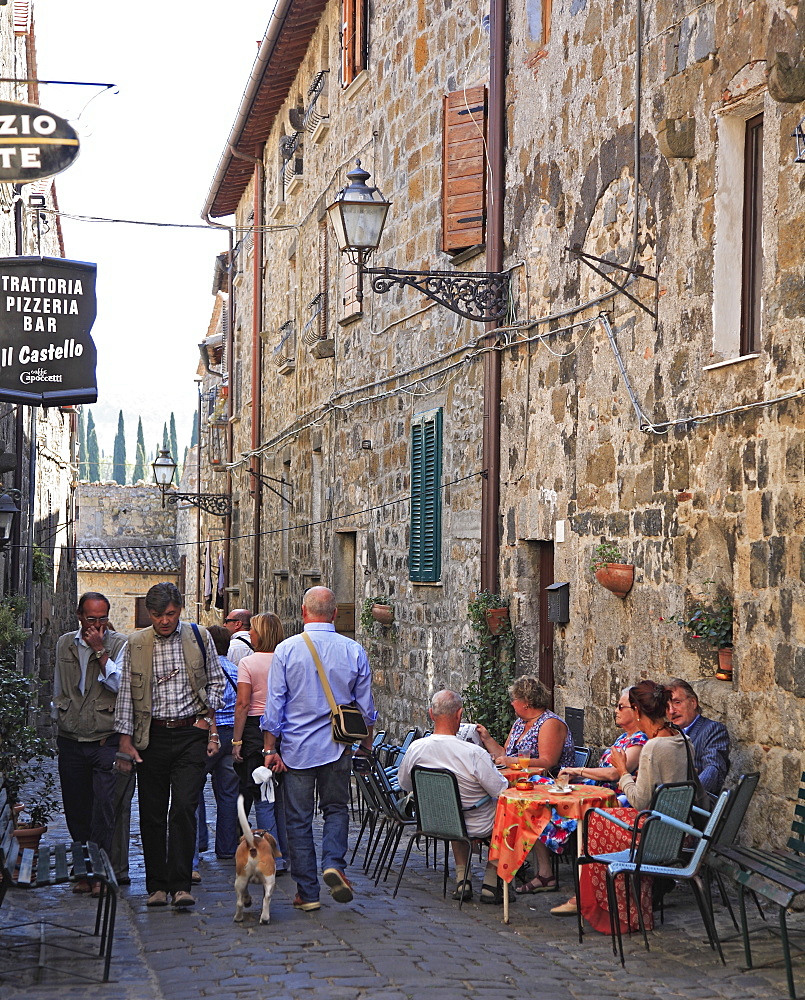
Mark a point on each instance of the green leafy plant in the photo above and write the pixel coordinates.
(487, 697)
(41, 566)
(605, 552)
(22, 747)
(709, 617)
(368, 623)
(46, 803)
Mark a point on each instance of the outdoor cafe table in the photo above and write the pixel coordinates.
(521, 817)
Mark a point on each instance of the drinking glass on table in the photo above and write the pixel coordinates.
(561, 782)
(523, 760)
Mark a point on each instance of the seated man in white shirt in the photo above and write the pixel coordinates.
(479, 785)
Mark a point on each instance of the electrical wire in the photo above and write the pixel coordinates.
(272, 531)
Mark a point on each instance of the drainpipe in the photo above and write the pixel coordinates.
(257, 368)
(490, 488)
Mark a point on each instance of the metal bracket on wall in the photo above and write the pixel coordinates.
(636, 271)
(264, 480)
(477, 295)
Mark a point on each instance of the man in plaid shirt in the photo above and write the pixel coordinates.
(171, 685)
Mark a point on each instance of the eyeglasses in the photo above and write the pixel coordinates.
(231, 621)
(92, 621)
(622, 708)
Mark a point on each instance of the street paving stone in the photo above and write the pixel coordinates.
(379, 948)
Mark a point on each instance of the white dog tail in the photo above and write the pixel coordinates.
(244, 823)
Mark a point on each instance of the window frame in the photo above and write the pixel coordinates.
(752, 238)
(354, 39)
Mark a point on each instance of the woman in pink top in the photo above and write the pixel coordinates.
(247, 737)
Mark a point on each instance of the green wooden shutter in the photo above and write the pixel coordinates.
(425, 548)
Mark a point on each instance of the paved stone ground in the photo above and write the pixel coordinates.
(377, 947)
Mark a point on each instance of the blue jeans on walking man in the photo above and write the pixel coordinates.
(331, 781)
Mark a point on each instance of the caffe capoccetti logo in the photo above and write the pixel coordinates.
(33, 143)
(47, 308)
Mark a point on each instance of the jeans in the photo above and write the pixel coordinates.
(169, 779)
(88, 781)
(332, 783)
(225, 787)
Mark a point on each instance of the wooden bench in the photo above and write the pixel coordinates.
(778, 876)
(50, 865)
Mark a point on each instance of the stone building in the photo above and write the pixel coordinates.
(632, 169)
(37, 446)
(126, 542)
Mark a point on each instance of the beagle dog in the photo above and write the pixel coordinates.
(254, 862)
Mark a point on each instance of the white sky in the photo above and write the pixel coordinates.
(148, 152)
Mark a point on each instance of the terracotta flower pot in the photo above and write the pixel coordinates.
(496, 619)
(724, 672)
(383, 613)
(29, 836)
(617, 577)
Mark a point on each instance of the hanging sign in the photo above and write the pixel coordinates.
(33, 143)
(47, 308)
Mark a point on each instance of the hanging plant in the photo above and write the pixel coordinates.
(610, 570)
(377, 617)
(40, 572)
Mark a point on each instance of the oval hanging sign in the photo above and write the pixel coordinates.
(33, 143)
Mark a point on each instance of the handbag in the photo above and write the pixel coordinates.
(348, 722)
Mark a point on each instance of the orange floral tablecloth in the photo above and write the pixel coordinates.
(522, 816)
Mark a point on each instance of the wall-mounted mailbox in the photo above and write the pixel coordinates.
(558, 602)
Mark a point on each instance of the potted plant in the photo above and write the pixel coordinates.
(710, 617)
(493, 608)
(33, 821)
(487, 697)
(376, 611)
(22, 747)
(610, 570)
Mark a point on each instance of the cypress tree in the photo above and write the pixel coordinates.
(174, 443)
(139, 461)
(194, 432)
(82, 445)
(166, 441)
(93, 455)
(119, 453)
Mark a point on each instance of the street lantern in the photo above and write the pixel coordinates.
(164, 469)
(358, 216)
(7, 511)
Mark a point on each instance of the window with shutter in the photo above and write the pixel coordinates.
(350, 306)
(464, 169)
(353, 39)
(425, 547)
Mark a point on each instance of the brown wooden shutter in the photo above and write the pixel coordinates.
(351, 306)
(464, 169)
(353, 39)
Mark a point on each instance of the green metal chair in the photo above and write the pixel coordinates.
(439, 814)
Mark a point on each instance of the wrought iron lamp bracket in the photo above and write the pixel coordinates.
(478, 295)
(219, 504)
(799, 135)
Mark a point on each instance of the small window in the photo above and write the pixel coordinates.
(141, 617)
(425, 548)
(464, 170)
(353, 39)
(752, 270)
(350, 306)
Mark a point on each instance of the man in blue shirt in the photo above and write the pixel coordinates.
(298, 713)
(710, 739)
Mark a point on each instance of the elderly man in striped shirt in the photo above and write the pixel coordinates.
(171, 686)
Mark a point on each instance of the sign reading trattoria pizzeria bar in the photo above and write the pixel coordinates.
(47, 308)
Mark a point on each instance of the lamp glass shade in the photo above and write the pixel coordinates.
(164, 468)
(358, 213)
(7, 511)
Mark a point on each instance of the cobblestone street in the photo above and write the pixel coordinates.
(417, 945)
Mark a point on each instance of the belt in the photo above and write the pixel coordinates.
(189, 720)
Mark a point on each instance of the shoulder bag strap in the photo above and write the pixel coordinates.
(239, 638)
(201, 645)
(322, 677)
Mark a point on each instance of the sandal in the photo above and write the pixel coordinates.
(538, 884)
(463, 890)
(494, 896)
